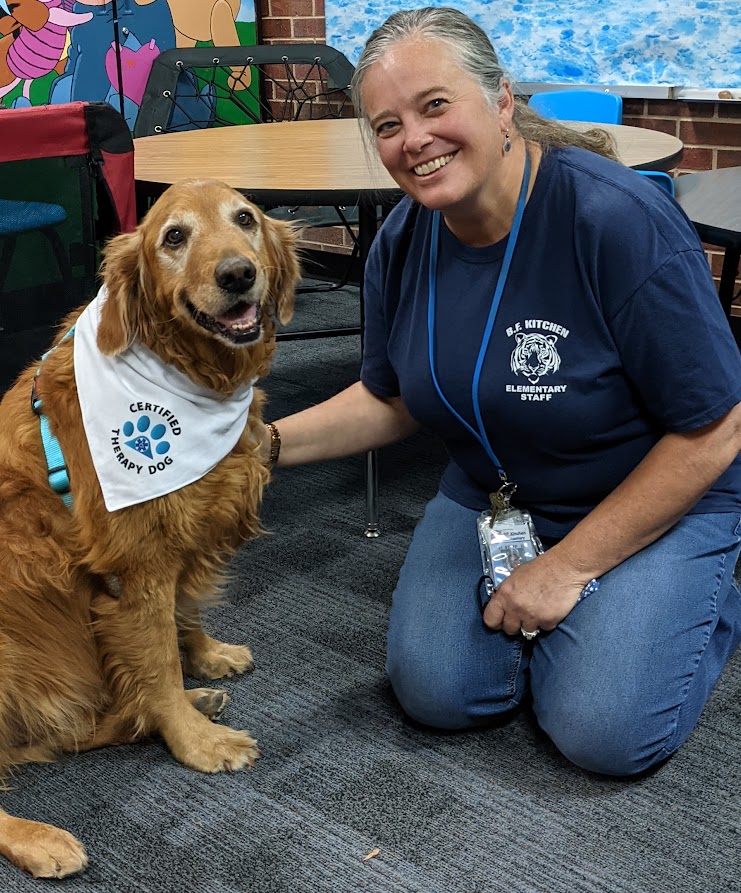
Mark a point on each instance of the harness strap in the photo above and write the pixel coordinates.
(55, 462)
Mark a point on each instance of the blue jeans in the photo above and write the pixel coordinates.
(621, 682)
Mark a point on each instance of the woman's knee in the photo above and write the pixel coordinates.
(428, 695)
(448, 693)
(615, 740)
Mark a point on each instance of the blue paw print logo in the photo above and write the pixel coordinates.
(146, 440)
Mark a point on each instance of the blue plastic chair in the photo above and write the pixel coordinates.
(579, 105)
(662, 180)
(20, 217)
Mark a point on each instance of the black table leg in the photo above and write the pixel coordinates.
(727, 286)
(367, 225)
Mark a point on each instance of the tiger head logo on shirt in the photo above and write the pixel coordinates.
(535, 355)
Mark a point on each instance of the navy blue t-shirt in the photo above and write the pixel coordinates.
(609, 335)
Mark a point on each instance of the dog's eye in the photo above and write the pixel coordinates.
(244, 218)
(174, 237)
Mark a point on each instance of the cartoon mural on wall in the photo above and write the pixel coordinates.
(54, 51)
(34, 42)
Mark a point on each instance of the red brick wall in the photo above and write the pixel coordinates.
(710, 131)
(290, 21)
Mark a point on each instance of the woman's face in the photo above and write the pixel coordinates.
(435, 133)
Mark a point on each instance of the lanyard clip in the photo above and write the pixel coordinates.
(500, 499)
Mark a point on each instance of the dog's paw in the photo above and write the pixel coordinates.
(223, 750)
(41, 850)
(216, 660)
(208, 701)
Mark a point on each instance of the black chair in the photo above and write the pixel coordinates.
(216, 86)
(202, 87)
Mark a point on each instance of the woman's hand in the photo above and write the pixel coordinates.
(537, 595)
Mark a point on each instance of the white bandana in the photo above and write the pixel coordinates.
(150, 429)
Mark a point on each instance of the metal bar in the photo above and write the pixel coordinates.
(367, 225)
(317, 333)
(728, 274)
(117, 51)
(628, 91)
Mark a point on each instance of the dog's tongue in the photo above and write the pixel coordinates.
(241, 315)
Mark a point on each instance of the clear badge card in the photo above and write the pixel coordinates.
(506, 542)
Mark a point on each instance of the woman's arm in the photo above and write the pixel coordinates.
(353, 421)
(655, 495)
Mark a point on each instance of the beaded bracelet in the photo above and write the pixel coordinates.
(274, 444)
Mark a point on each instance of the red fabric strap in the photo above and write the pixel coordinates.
(43, 131)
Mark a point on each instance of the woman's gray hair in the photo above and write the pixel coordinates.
(474, 54)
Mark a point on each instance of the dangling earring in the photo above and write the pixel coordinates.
(507, 141)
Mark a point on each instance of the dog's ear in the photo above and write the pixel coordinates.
(285, 272)
(122, 278)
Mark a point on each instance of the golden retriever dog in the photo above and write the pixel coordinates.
(99, 609)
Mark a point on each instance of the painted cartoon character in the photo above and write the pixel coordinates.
(210, 20)
(34, 40)
(145, 28)
(214, 21)
(136, 63)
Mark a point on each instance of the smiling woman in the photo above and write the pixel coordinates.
(423, 123)
(436, 142)
(517, 302)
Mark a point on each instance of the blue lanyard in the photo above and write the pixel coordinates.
(480, 435)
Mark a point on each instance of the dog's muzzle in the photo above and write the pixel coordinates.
(239, 323)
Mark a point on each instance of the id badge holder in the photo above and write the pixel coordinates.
(507, 538)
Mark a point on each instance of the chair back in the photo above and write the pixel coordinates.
(660, 179)
(201, 87)
(579, 105)
(66, 184)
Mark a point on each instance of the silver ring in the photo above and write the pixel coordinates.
(530, 635)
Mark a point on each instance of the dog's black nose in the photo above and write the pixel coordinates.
(235, 274)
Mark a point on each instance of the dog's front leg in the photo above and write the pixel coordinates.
(203, 656)
(40, 849)
(137, 639)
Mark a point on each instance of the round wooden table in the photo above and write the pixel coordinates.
(322, 162)
(639, 147)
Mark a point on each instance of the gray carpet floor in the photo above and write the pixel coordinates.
(344, 773)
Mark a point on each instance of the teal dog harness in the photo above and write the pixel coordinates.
(56, 465)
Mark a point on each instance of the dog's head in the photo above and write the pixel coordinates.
(205, 274)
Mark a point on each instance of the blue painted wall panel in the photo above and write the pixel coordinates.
(678, 43)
